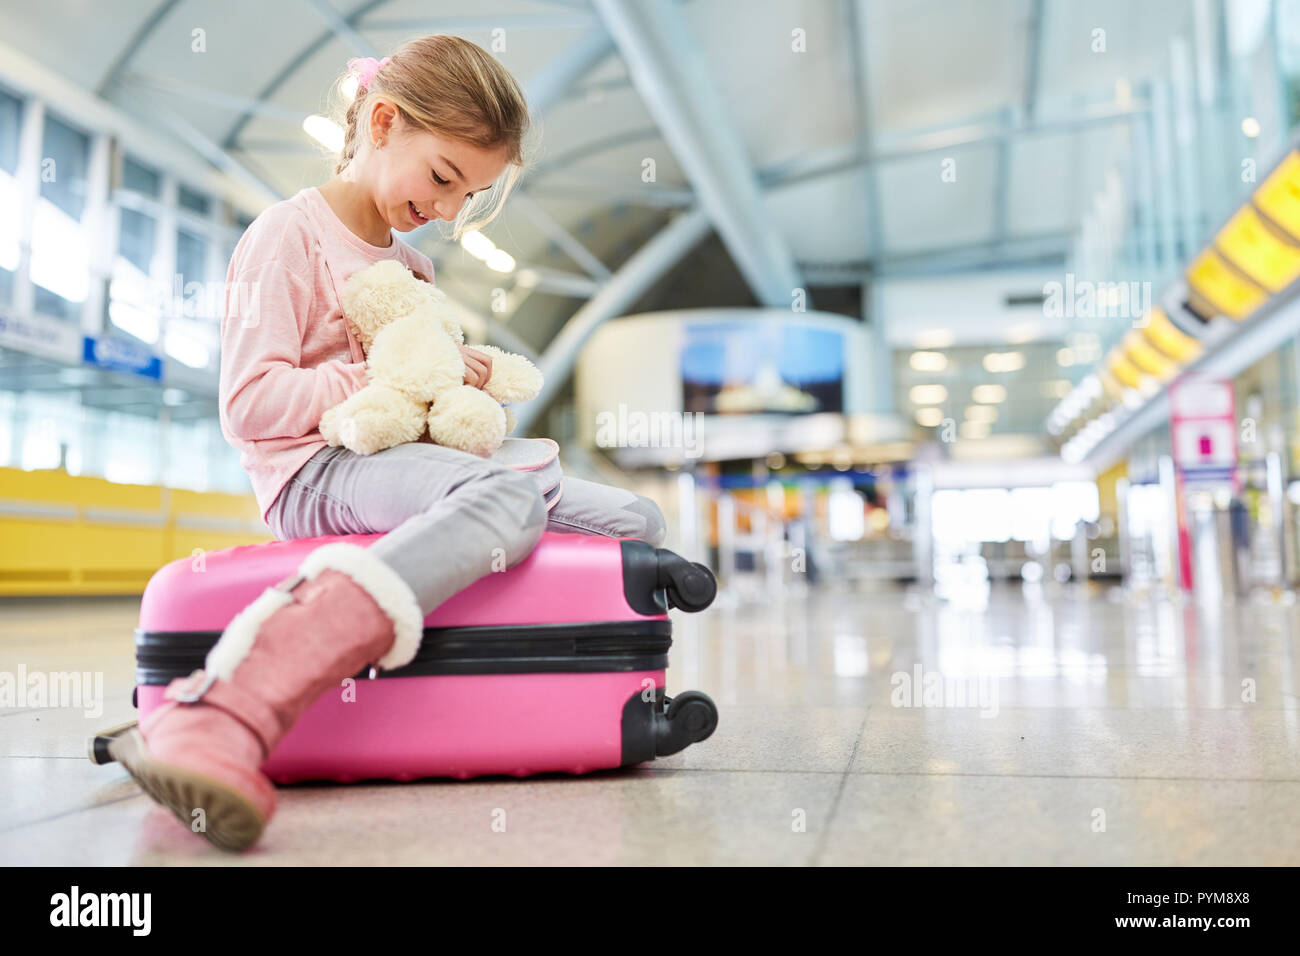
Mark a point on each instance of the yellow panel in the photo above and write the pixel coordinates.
(185, 501)
(1138, 351)
(114, 537)
(36, 544)
(1170, 339)
(1278, 196)
(1224, 289)
(1124, 371)
(57, 486)
(1257, 251)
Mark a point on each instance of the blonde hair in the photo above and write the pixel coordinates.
(451, 87)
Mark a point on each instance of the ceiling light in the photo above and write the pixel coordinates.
(981, 413)
(477, 245)
(1057, 388)
(1004, 361)
(325, 131)
(927, 394)
(929, 417)
(928, 361)
(1065, 357)
(499, 260)
(988, 394)
(974, 430)
(1250, 126)
(349, 88)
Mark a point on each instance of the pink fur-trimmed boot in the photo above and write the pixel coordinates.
(344, 610)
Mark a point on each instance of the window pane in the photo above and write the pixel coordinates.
(56, 306)
(11, 113)
(139, 178)
(63, 181)
(136, 243)
(194, 201)
(191, 257)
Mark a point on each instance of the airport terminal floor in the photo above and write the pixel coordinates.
(1070, 725)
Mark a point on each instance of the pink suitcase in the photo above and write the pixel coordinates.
(556, 664)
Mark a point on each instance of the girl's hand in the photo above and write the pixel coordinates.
(478, 366)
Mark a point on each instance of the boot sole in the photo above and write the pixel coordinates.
(232, 822)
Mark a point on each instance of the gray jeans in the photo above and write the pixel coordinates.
(450, 517)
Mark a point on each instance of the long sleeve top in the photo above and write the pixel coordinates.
(287, 354)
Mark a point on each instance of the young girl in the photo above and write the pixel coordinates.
(435, 132)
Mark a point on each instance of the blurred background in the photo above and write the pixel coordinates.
(973, 321)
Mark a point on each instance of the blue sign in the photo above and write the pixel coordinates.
(119, 355)
(761, 367)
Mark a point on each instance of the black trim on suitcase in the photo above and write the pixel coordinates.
(656, 579)
(533, 649)
(662, 725)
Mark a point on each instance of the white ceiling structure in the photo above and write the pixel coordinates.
(821, 165)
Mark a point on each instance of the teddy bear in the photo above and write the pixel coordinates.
(416, 387)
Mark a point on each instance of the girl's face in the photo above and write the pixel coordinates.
(417, 176)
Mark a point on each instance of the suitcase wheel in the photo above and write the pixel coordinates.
(690, 585)
(690, 717)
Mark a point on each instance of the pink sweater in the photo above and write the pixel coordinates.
(287, 354)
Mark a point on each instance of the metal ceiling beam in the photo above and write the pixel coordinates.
(548, 86)
(128, 51)
(343, 29)
(607, 184)
(1018, 251)
(292, 65)
(1028, 108)
(575, 250)
(654, 198)
(856, 15)
(214, 153)
(215, 97)
(569, 20)
(642, 270)
(287, 147)
(840, 159)
(598, 88)
(672, 77)
(563, 161)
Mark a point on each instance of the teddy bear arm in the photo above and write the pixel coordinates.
(514, 378)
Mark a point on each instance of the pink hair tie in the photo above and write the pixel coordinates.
(364, 69)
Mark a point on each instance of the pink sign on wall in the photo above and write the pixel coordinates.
(1203, 428)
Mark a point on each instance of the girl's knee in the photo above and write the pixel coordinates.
(526, 512)
(656, 525)
(521, 502)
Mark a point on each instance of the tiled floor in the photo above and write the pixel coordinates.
(1112, 729)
